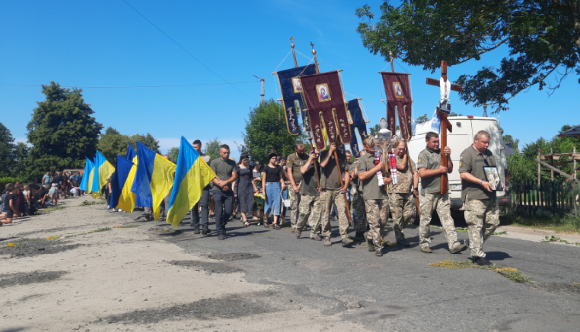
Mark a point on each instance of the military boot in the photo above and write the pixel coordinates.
(347, 242)
(327, 241)
(370, 243)
(204, 230)
(458, 248)
(196, 229)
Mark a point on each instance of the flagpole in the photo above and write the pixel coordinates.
(335, 154)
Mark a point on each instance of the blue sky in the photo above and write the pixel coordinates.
(106, 43)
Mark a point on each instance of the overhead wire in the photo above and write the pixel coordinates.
(131, 86)
(184, 49)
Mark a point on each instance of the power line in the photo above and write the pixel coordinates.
(183, 48)
(131, 86)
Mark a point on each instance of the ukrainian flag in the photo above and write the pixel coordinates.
(191, 176)
(127, 198)
(119, 178)
(102, 171)
(86, 175)
(130, 152)
(153, 179)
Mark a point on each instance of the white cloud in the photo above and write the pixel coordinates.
(22, 140)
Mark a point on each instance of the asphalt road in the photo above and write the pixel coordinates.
(400, 291)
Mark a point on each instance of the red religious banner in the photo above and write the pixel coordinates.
(398, 91)
(325, 102)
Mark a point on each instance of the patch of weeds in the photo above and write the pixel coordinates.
(566, 223)
(500, 233)
(52, 237)
(12, 244)
(508, 272)
(87, 203)
(55, 208)
(557, 239)
(126, 226)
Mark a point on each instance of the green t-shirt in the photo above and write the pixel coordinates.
(370, 187)
(294, 163)
(472, 162)
(329, 178)
(430, 159)
(223, 170)
(309, 185)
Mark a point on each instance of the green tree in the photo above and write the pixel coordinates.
(20, 161)
(422, 119)
(147, 140)
(173, 153)
(374, 130)
(62, 131)
(6, 150)
(113, 143)
(542, 38)
(514, 143)
(266, 131)
(212, 148)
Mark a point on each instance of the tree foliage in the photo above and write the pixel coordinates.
(266, 130)
(173, 153)
(62, 131)
(147, 140)
(6, 150)
(212, 148)
(112, 143)
(543, 38)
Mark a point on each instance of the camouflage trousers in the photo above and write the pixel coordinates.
(309, 209)
(327, 198)
(482, 218)
(360, 222)
(294, 206)
(439, 202)
(377, 213)
(403, 211)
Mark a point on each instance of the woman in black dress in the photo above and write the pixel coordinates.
(245, 188)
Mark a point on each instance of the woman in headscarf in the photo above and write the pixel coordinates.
(245, 188)
(272, 185)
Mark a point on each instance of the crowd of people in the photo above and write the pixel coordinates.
(320, 184)
(317, 186)
(21, 200)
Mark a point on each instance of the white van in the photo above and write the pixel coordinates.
(464, 130)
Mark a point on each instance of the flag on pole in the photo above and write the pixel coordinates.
(119, 178)
(153, 179)
(325, 103)
(102, 171)
(86, 175)
(398, 92)
(358, 123)
(130, 152)
(291, 88)
(191, 176)
(127, 198)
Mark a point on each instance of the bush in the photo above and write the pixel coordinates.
(6, 180)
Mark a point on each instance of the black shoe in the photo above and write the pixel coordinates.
(204, 230)
(481, 261)
(360, 234)
(403, 243)
(196, 229)
(221, 236)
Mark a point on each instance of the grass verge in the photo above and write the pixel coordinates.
(557, 239)
(508, 272)
(564, 224)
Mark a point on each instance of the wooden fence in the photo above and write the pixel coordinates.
(559, 197)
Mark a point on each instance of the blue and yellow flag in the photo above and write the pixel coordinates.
(191, 176)
(102, 171)
(153, 179)
(119, 178)
(127, 198)
(130, 152)
(359, 123)
(86, 175)
(291, 89)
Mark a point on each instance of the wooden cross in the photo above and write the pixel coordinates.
(445, 124)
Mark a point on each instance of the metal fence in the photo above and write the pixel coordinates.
(558, 197)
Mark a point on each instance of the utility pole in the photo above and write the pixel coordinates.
(262, 91)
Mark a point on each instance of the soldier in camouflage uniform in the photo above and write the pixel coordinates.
(358, 203)
(479, 196)
(375, 196)
(310, 201)
(295, 161)
(431, 199)
(402, 202)
(332, 192)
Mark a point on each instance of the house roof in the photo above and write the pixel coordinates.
(574, 131)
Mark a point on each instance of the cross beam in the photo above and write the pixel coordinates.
(445, 124)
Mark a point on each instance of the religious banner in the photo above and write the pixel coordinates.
(357, 123)
(398, 92)
(325, 102)
(291, 89)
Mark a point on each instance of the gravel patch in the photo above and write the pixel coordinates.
(25, 278)
(208, 267)
(231, 306)
(558, 288)
(35, 247)
(236, 256)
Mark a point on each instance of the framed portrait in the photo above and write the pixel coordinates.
(492, 176)
(323, 92)
(398, 89)
(297, 84)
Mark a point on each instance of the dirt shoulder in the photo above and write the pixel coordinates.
(93, 276)
(536, 234)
